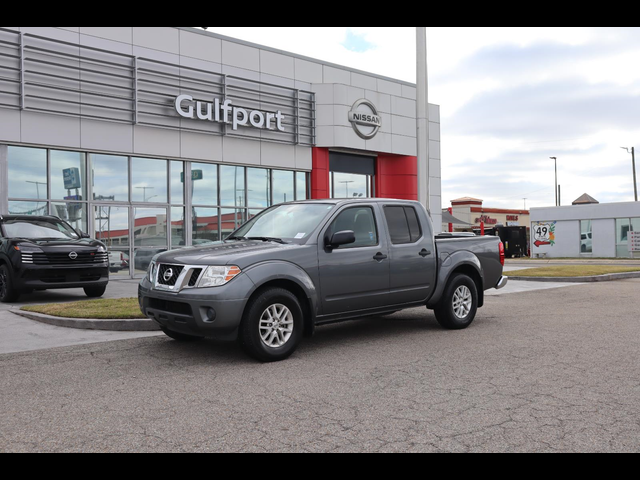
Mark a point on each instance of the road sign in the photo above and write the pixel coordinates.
(71, 178)
(195, 175)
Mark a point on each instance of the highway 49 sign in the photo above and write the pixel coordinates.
(544, 234)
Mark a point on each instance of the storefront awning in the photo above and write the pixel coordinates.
(448, 218)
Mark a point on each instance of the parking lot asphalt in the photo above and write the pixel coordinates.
(552, 370)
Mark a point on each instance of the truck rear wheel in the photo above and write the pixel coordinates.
(459, 304)
(272, 326)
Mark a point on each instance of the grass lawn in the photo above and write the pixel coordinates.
(567, 271)
(114, 309)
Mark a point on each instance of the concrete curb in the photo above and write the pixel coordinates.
(137, 325)
(598, 278)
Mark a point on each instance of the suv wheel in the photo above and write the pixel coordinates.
(272, 326)
(94, 292)
(459, 305)
(8, 293)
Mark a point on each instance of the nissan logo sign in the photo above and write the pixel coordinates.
(73, 255)
(365, 119)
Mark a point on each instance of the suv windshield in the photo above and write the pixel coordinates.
(289, 222)
(39, 229)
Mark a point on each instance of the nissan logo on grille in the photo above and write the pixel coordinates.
(168, 275)
(73, 255)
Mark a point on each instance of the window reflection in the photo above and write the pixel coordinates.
(258, 188)
(586, 236)
(68, 175)
(177, 182)
(28, 208)
(301, 186)
(283, 187)
(150, 227)
(232, 186)
(27, 173)
(232, 219)
(111, 225)
(205, 184)
(149, 180)
(205, 226)
(110, 178)
(349, 185)
(178, 232)
(75, 214)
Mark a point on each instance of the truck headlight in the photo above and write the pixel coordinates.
(218, 276)
(152, 271)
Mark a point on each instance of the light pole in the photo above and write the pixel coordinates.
(556, 161)
(633, 161)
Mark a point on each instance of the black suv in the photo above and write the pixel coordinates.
(45, 253)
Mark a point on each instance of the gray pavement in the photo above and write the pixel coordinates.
(553, 370)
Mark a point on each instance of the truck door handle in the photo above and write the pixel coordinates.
(424, 253)
(380, 257)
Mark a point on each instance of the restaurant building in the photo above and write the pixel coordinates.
(152, 138)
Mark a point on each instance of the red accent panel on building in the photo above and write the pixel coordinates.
(320, 174)
(397, 177)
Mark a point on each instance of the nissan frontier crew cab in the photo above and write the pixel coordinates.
(300, 265)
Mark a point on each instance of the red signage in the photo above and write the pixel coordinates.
(512, 218)
(487, 220)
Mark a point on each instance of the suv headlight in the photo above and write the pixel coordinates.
(218, 276)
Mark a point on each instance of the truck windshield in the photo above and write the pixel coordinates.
(284, 223)
(40, 229)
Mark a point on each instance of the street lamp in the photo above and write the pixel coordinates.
(633, 161)
(556, 160)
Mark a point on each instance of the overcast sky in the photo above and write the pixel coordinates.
(510, 98)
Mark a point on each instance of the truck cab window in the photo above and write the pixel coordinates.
(359, 220)
(404, 227)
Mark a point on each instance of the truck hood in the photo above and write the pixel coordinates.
(240, 253)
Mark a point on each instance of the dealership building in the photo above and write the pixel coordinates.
(153, 138)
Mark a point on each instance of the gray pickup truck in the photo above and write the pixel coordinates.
(299, 265)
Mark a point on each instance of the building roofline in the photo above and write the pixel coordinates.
(296, 55)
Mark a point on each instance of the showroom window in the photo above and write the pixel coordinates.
(143, 206)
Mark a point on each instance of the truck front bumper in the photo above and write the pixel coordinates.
(201, 312)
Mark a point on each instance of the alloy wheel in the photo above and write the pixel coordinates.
(276, 326)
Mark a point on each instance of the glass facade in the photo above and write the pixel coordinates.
(623, 227)
(143, 206)
(586, 236)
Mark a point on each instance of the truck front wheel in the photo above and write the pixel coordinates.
(272, 326)
(459, 304)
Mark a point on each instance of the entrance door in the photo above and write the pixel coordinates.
(111, 226)
(354, 277)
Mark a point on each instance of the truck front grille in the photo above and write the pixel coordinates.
(65, 259)
(169, 274)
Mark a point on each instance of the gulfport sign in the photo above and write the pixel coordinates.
(223, 111)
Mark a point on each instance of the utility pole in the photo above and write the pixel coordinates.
(424, 180)
(556, 160)
(633, 161)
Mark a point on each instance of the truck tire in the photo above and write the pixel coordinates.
(272, 326)
(8, 293)
(459, 304)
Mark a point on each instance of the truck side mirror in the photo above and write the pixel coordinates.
(342, 238)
